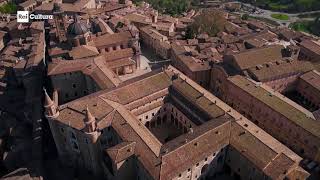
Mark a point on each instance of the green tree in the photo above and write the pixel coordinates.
(190, 33)
(8, 8)
(315, 27)
(245, 17)
(209, 21)
(172, 7)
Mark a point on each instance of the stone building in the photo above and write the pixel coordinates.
(271, 111)
(87, 58)
(116, 41)
(280, 75)
(241, 61)
(308, 88)
(156, 41)
(256, 40)
(24, 58)
(70, 7)
(78, 78)
(165, 126)
(310, 50)
(184, 59)
(28, 5)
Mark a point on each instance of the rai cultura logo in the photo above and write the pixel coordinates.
(22, 16)
(25, 17)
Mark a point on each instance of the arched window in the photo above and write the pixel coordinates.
(204, 168)
(147, 124)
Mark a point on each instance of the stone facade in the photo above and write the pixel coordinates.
(175, 130)
(246, 97)
(308, 88)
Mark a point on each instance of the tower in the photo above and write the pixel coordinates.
(90, 122)
(93, 153)
(155, 17)
(60, 22)
(51, 111)
(135, 44)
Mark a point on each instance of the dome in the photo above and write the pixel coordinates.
(77, 28)
(95, 28)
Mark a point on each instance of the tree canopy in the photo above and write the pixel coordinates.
(287, 5)
(315, 27)
(312, 27)
(8, 8)
(172, 7)
(209, 21)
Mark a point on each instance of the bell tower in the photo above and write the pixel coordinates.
(60, 22)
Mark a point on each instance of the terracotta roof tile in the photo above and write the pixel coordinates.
(279, 69)
(312, 78)
(311, 45)
(277, 104)
(253, 57)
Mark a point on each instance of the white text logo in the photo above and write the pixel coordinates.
(22, 16)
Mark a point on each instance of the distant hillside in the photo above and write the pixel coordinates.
(287, 5)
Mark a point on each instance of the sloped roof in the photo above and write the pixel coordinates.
(109, 39)
(166, 161)
(192, 63)
(312, 78)
(83, 51)
(311, 45)
(253, 57)
(277, 70)
(118, 54)
(96, 68)
(277, 104)
(121, 151)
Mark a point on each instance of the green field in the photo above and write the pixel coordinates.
(280, 16)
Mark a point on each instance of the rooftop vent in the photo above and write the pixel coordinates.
(258, 67)
(288, 60)
(269, 64)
